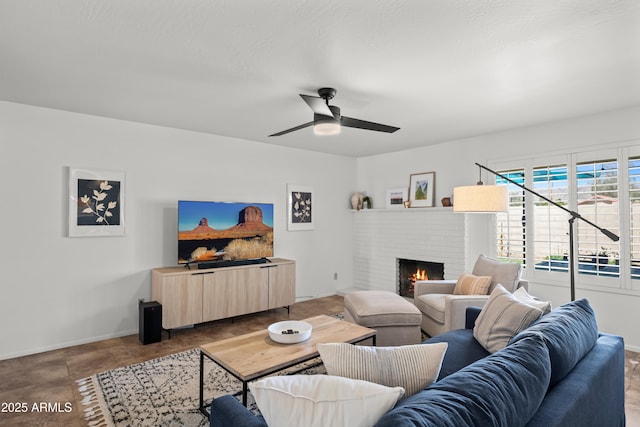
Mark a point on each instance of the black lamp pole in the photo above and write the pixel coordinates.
(574, 216)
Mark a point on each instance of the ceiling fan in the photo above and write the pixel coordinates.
(327, 119)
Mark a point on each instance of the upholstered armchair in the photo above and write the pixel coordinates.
(443, 311)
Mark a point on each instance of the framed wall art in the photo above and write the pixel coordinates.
(396, 197)
(422, 189)
(96, 202)
(300, 208)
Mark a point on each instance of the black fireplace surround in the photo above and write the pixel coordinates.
(410, 270)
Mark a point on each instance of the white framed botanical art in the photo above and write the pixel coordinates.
(299, 207)
(96, 202)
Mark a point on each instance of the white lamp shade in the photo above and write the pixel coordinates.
(480, 198)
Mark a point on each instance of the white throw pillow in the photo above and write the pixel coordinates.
(523, 296)
(322, 400)
(501, 318)
(412, 367)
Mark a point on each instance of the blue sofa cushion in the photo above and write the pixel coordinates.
(463, 350)
(503, 389)
(228, 411)
(593, 392)
(569, 332)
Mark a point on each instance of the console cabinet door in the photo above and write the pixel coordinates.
(282, 285)
(228, 293)
(181, 300)
(191, 297)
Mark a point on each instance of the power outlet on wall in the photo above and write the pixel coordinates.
(140, 301)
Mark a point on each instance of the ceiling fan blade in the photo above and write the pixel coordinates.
(293, 129)
(363, 124)
(318, 105)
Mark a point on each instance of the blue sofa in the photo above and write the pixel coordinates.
(558, 372)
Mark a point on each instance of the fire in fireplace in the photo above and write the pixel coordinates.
(410, 270)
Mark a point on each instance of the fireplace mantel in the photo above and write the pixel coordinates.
(381, 236)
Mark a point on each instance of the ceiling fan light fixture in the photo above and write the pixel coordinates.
(327, 125)
(327, 119)
(327, 128)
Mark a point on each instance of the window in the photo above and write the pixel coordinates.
(511, 242)
(596, 186)
(634, 216)
(551, 226)
(598, 202)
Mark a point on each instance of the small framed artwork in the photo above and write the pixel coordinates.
(96, 202)
(396, 197)
(300, 208)
(422, 189)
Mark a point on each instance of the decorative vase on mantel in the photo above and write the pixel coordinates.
(357, 200)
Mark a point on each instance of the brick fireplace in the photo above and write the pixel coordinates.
(382, 236)
(410, 270)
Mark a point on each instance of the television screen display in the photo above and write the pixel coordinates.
(213, 231)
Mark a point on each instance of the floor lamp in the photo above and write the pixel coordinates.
(487, 198)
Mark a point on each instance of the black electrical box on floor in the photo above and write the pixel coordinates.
(150, 325)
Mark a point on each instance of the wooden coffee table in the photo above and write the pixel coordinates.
(254, 355)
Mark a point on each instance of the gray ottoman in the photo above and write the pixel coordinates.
(396, 320)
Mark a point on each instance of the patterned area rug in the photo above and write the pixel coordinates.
(161, 392)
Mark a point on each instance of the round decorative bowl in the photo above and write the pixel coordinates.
(289, 331)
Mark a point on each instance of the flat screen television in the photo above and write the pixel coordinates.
(217, 231)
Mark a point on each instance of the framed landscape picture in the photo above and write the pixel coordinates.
(422, 189)
(396, 197)
(96, 203)
(300, 208)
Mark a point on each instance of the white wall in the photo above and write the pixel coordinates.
(453, 163)
(58, 291)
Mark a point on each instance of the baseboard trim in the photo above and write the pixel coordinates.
(633, 348)
(66, 344)
(343, 292)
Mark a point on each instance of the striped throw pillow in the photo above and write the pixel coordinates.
(468, 284)
(412, 367)
(501, 318)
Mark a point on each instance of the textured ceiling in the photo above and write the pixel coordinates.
(439, 70)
